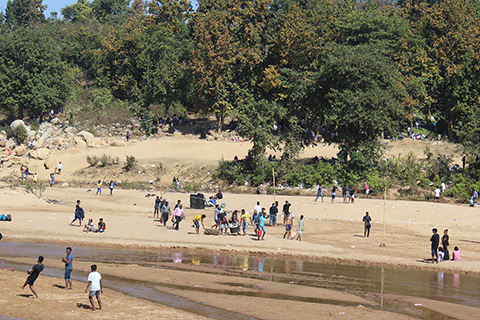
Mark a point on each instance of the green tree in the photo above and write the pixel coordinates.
(24, 13)
(81, 11)
(32, 75)
(365, 95)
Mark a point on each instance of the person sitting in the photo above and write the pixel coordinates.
(219, 195)
(101, 226)
(456, 254)
(212, 202)
(89, 226)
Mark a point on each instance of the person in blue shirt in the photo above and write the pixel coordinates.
(68, 260)
(319, 193)
(261, 226)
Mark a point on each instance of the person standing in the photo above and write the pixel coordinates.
(286, 211)
(437, 194)
(128, 135)
(68, 260)
(156, 208)
(261, 226)
(166, 212)
(111, 185)
(367, 189)
(177, 213)
(446, 244)
(288, 227)
(216, 216)
(300, 228)
(319, 192)
(79, 213)
(258, 207)
(273, 214)
(344, 194)
(334, 194)
(59, 168)
(245, 219)
(99, 187)
(367, 224)
(435, 240)
(95, 286)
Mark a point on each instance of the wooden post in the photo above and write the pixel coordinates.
(273, 174)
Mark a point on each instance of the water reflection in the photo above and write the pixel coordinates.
(177, 257)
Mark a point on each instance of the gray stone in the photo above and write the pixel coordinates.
(42, 141)
(42, 153)
(20, 150)
(16, 123)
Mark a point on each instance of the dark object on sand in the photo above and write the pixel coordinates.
(197, 201)
(1, 236)
(235, 229)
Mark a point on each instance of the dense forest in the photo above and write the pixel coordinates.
(289, 71)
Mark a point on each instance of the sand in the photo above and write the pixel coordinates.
(333, 232)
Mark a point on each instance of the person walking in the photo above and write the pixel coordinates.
(79, 214)
(245, 220)
(95, 286)
(156, 208)
(111, 185)
(367, 224)
(435, 239)
(178, 214)
(68, 260)
(166, 212)
(33, 274)
(300, 228)
(334, 194)
(286, 211)
(288, 227)
(319, 193)
(273, 214)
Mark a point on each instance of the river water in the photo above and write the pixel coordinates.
(372, 283)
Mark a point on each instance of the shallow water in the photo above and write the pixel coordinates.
(367, 282)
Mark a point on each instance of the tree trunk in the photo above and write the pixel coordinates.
(220, 119)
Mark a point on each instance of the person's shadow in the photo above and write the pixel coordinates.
(84, 306)
(58, 286)
(25, 295)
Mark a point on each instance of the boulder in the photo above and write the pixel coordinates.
(42, 153)
(64, 185)
(3, 143)
(16, 123)
(10, 143)
(55, 121)
(20, 150)
(42, 141)
(87, 137)
(31, 135)
(119, 143)
(70, 130)
(79, 143)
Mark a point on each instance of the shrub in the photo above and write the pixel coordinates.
(92, 160)
(36, 189)
(19, 134)
(130, 163)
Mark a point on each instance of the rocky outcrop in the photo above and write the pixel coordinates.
(87, 137)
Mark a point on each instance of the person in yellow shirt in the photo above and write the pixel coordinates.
(99, 187)
(245, 219)
(196, 222)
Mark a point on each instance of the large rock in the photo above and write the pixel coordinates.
(3, 143)
(17, 123)
(79, 143)
(87, 137)
(31, 135)
(42, 141)
(42, 153)
(55, 121)
(119, 143)
(20, 150)
(10, 143)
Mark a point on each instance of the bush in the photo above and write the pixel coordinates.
(102, 161)
(130, 163)
(19, 134)
(92, 160)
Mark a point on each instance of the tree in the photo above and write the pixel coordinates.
(228, 49)
(81, 11)
(32, 75)
(111, 11)
(24, 13)
(365, 95)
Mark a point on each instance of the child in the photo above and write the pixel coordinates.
(89, 226)
(33, 275)
(101, 226)
(456, 254)
(223, 224)
(441, 254)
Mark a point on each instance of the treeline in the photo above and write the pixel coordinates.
(287, 70)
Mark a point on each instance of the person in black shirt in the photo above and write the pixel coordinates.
(435, 239)
(273, 214)
(33, 275)
(445, 245)
(286, 211)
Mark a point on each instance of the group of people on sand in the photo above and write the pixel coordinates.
(90, 225)
(164, 213)
(111, 185)
(442, 253)
(348, 193)
(94, 280)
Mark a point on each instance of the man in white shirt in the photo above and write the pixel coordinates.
(258, 208)
(437, 194)
(95, 285)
